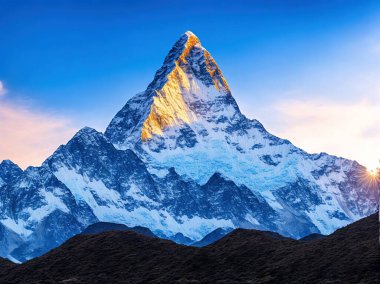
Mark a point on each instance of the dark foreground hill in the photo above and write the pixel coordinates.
(5, 264)
(313, 237)
(350, 255)
(102, 227)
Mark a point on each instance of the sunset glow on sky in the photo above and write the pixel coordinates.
(308, 71)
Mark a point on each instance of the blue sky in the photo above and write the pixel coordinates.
(300, 67)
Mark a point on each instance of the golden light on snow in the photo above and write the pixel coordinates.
(169, 107)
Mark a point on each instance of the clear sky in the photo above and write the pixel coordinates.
(308, 70)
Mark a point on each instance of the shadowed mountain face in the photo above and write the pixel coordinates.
(181, 160)
(212, 237)
(350, 255)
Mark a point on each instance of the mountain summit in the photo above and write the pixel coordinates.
(187, 119)
(180, 159)
(188, 88)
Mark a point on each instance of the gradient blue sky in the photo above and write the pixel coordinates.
(309, 70)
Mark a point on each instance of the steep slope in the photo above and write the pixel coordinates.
(108, 180)
(118, 188)
(188, 119)
(188, 84)
(9, 240)
(41, 212)
(212, 237)
(9, 172)
(350, 255)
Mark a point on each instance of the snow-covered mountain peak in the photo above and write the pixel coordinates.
(193, 59)
(185, 88)
(9, 171)
(187, 119)
(190, 33)
(180, 159)
(188, 89)
(7, 163)
(88, 136)
(87, 131)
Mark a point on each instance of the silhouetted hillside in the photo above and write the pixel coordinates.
(312, 237)
(102, 227)
(350, 255)
(5, 263)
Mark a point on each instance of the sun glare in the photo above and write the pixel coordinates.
(372, 173)
(371, 178)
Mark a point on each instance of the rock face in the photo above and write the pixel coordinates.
(182, 160)
(38, 212)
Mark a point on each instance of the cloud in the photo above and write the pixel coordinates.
(3, 91)
(350, 130)
(29, 136)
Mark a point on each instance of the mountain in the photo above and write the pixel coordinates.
(181, 160)
(188, 119)
(350, 255)
(101, 227)
(37, 212)
(179, 238)
(212, 237)
(9, 241)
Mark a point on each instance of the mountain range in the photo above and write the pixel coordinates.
(182, 160)
(349, 255)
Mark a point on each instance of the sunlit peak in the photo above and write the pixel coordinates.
(190, 34)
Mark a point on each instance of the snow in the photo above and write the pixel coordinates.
(85, 190)
(136, 194)
(269, 197)
(29, 216)
(11, 258)
(52, 203)
(251, 219)
(18, 227)
(115, 210)
(325, 223)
